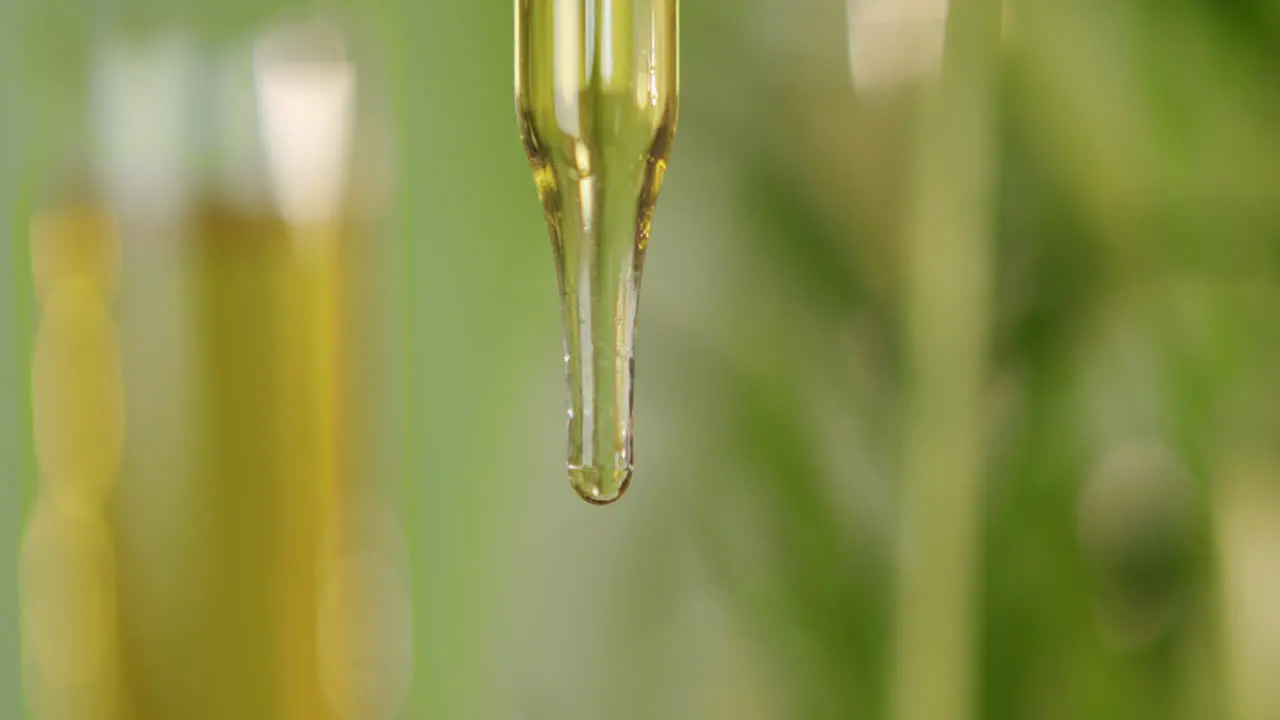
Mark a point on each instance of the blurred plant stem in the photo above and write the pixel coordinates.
(1246, 507)
(948, 249)
(1247, 504)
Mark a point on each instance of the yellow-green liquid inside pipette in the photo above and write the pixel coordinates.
(597, 85)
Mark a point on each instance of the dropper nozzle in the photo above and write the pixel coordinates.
(597, 84)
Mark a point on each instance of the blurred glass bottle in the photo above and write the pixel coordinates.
(202, 406)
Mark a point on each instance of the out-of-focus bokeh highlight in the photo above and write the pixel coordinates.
(958, 393)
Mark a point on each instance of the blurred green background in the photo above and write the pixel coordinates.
(958, 389)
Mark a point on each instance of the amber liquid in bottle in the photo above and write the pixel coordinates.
(597, 86)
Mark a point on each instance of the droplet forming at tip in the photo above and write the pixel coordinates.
(600, 486)
(597, 84)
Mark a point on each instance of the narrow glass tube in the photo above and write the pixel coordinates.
(597, 84)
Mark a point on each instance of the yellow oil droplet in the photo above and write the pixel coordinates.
(597, 93)
(600, 486)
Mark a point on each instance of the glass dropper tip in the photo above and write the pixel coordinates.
(600, 486)
(597, 91)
